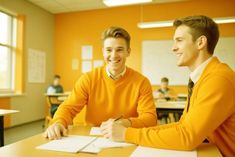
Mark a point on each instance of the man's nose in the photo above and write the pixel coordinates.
(113, 53)
(174, 47)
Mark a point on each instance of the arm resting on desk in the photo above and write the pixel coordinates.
(195, 126)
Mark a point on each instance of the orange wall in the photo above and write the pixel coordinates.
(5, 104)
(72, 30)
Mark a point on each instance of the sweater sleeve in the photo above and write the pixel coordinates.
(146, 108)
(74, 103)
(213, 104)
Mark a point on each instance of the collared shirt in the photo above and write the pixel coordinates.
(117, 76)
(196, 74)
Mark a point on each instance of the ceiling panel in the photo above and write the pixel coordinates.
(60, 6)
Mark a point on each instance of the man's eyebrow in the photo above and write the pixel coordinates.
(120, 47)
(176, 38)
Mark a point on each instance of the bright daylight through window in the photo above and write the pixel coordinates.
(7, 51)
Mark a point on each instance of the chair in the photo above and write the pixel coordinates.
(52, 100)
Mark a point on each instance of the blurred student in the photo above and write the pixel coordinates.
(109, 92)
(210, 113)
(53, 89)
(164, 92)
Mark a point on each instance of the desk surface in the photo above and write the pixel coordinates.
(26, 148)
(57, 94)
(6, 112)
(170, 104)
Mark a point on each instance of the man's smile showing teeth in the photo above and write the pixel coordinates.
(113, 62)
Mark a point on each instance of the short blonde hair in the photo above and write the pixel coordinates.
(117, 32)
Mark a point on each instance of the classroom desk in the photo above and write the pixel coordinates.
(60, 96)
(26, 148)
(4, 112)
(170, 106)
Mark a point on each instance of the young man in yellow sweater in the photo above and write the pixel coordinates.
(109, 92)
(210, 113)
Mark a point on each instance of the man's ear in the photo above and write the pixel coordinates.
(202, 42)
(129, 51)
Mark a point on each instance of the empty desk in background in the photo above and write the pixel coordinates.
(169, 111)
(27, 148)
(4, 112)
(170, 106)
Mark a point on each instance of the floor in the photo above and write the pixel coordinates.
(17, 133)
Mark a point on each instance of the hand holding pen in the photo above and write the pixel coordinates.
(111, 129)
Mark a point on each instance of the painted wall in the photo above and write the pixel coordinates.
(39, 34)
(72, 30)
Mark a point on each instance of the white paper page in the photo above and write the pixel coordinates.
(70, 144)
(153, 152)
(91, 149)
(86, 66)
(95, 131)
(87, 51)
(106, 143)
(36, 66)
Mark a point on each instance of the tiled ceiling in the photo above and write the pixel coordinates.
(60, 6)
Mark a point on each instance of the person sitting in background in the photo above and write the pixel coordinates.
(53, 89)
(165, 92)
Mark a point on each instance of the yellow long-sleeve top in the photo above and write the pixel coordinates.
(211, 115)
(130, 97)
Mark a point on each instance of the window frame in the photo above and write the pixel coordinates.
(11, 47)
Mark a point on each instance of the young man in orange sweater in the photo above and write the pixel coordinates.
(210, 113)
(109, 92)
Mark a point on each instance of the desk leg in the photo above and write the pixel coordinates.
(1, 131)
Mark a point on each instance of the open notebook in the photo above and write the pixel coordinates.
(87, 144)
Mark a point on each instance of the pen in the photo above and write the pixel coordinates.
(120, 117)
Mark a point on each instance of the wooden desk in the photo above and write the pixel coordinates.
(170, 106)
(60, 96)
(2, 113)
(26, 148)
(169, 111)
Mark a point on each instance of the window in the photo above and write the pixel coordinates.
(7, 51)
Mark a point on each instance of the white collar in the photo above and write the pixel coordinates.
(196, 74)
(117, 76)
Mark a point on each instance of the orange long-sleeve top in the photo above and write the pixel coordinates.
(211, 115)
(130, 97)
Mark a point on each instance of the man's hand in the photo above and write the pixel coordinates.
(55, 131)
(113, 130)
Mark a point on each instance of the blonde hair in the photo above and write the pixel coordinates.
(117, 32)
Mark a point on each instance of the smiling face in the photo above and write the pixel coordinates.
(115, 52)
(185, 49)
